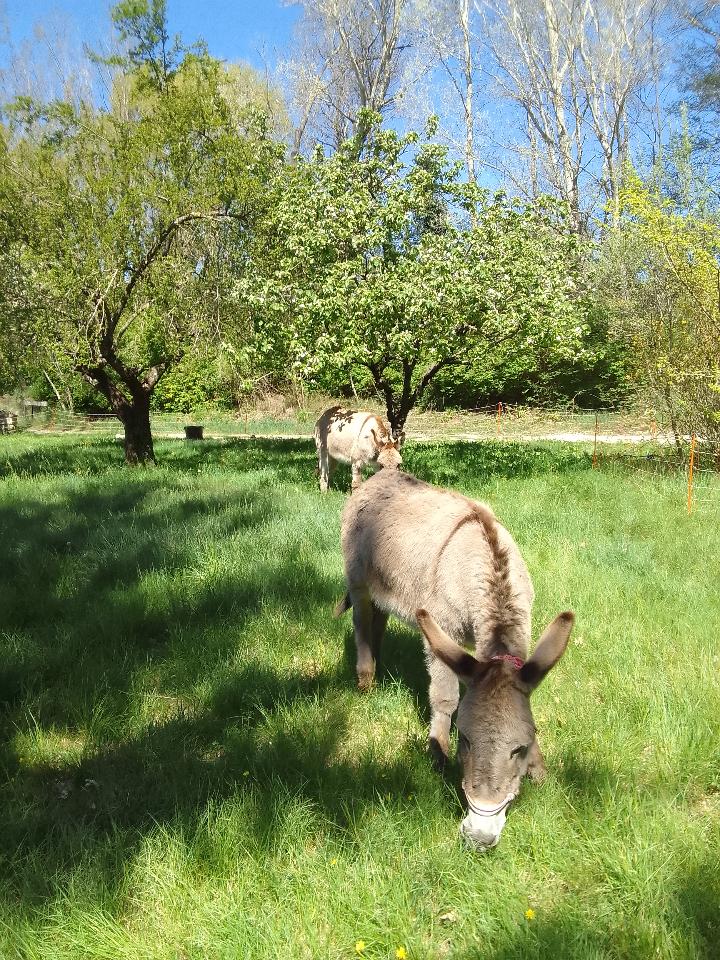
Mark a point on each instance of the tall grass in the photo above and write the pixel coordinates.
(188, 771)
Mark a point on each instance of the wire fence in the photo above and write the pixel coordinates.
(639, 441)
(170, 425)
(501, 420)
(554, 423)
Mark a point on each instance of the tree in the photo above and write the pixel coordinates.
(350, 60)
(371, 258)
(152, 54)
(702, 69)
(447, 57)
(576, 70)
(128, 229)
(660, 275)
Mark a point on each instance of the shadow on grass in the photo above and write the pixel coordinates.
(171, 770)
(110, 538)
(697, 898)
(82, 628)
(689, 906)
(451, 463)
(77, 647)
(555, 937)
(563, 935)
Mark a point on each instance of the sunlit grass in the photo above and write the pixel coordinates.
(189, 771)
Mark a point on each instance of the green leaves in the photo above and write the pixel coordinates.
(384, 257)
(660, 274)
(127, 229)
(152, 53)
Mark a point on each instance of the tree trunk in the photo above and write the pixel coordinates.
(396, 421)
(398, 408)
(129, 399)
(138, 438)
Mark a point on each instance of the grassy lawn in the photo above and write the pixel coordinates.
(188, 771)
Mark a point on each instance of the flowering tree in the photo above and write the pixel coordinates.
(381, 256)
(661, 271)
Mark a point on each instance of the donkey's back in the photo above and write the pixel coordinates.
(410, 545)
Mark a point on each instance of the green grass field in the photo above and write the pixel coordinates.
(188, 771)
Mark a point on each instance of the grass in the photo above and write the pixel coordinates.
(188, 771)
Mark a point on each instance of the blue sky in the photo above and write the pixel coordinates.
(253, 30)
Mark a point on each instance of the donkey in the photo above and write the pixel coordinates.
(358, 438)
(442, 561)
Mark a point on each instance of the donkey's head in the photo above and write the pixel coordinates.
(496, 732)
(388, 451)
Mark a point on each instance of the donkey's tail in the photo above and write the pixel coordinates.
(342, 605)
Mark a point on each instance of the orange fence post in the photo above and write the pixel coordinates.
(690, 472)
(594, 459)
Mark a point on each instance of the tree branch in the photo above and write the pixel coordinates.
(165, 234)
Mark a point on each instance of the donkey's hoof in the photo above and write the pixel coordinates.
(438, 754)
(365, 681)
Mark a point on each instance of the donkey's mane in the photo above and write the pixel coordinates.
(503, 610)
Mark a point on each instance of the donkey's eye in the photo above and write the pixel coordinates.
(520, 751)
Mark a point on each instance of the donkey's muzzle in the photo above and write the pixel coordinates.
(484, 835)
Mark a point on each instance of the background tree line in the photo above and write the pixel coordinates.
(433, 201)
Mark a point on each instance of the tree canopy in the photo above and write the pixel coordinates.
(661, 270)
(382, 256)
(128, 227)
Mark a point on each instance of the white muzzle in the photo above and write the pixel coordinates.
(482, 826)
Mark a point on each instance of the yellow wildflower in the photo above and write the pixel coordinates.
(401, 953)
(359, 946)
(333, 861)
(530, 914)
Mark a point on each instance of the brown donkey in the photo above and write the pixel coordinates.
(438, 559)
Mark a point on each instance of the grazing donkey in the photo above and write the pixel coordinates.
(438, 559)
(358, 438)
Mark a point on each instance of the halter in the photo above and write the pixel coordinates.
(517, 662)
(489, 811)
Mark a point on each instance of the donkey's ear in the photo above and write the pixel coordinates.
(466, 667)
(551, 646)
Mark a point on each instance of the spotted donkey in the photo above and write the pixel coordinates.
(358, 438)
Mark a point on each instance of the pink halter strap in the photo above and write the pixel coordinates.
(517, 662)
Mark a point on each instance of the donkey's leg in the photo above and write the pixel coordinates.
(536, 764)
(380, 619)
(323, 467)
(444, 695)
(362, 608)
(356, 467)
(331, 464)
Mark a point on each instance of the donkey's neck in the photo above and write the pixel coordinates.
(505, 640)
